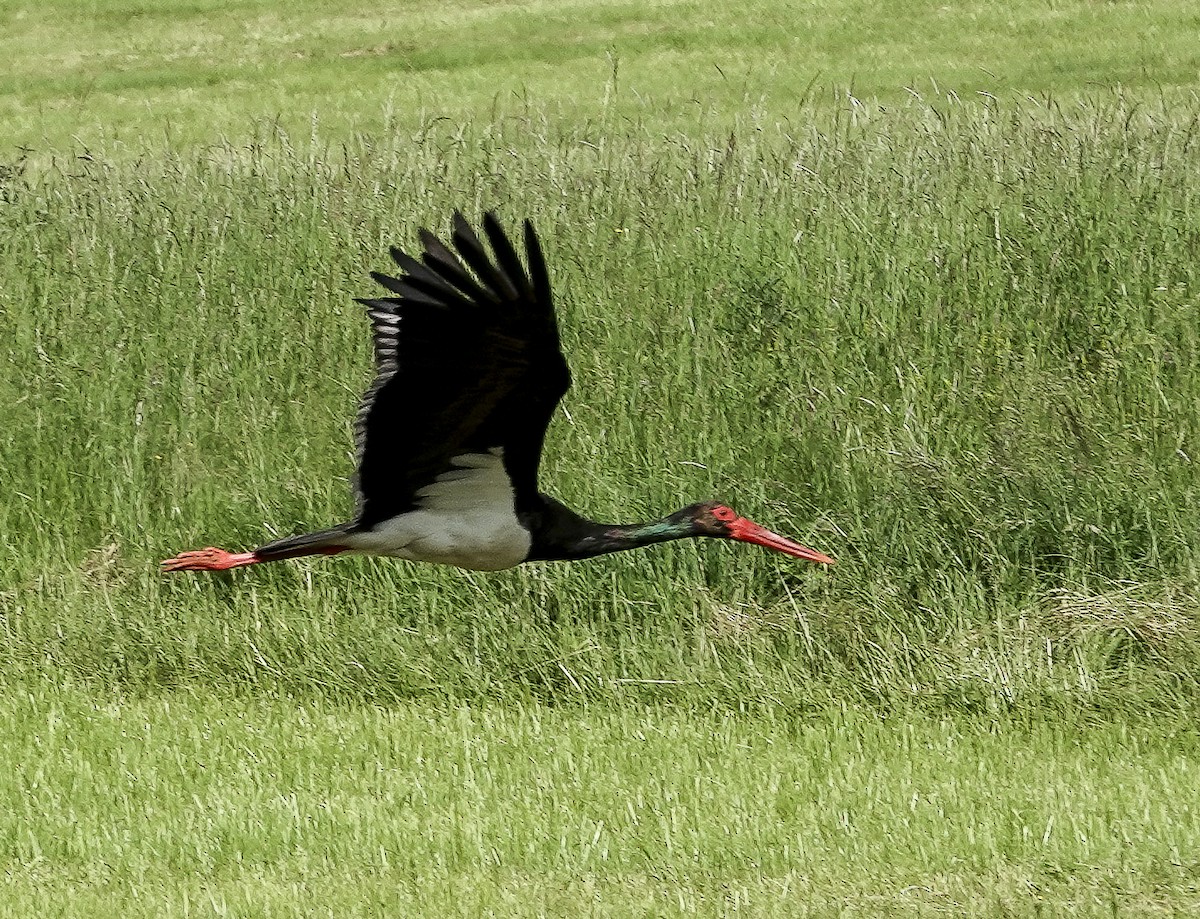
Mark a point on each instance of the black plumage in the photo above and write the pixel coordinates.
(461, 367)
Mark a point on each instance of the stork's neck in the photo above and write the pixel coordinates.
(560, 534)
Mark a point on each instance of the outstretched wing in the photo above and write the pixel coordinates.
(467, 360)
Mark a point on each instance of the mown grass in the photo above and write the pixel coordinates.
(126, 75)
(954, 346)
(195, 804)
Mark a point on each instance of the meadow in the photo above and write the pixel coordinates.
(928, 305)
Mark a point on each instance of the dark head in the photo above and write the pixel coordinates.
(720, 521)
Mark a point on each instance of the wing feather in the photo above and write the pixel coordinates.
(473, 253)
(420, 276)
(538, 273)
(511, 268)
(446, 264)
(467, 360)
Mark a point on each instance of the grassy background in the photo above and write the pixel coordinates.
(124, 74)
(949, 338)
(955, 348)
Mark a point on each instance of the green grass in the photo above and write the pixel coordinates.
(126, 75)
(194, 804)
(956, 349)
(917, 286)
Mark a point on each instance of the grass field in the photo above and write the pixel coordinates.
(192, 804)
(124, 75)
(195, 804)
(802, 265)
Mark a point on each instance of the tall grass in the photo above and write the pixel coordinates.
(955, 346)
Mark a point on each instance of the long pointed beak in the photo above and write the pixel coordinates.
(748, 531)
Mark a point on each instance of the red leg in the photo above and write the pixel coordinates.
(210, 559)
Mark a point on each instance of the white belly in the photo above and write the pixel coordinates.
(466, 518)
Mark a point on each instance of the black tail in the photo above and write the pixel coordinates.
(324, 542)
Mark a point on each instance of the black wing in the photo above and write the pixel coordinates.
(467, 360)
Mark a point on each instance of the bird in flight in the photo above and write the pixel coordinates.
(468, 372)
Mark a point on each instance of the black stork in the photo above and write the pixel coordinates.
(449, 435)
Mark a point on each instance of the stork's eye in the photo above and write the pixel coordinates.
(723, 513)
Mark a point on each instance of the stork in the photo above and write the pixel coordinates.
(468, 372)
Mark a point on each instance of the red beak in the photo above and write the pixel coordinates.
(749, 531)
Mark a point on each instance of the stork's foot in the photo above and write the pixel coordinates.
(210, 559)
